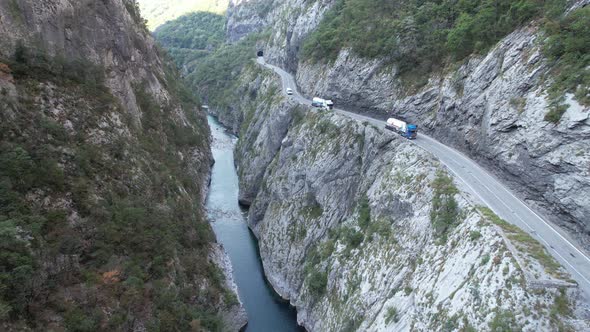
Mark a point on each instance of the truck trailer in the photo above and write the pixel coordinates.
(409, 131)
(323, 103)
(317, 102)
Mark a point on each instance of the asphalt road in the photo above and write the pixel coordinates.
(489, 191)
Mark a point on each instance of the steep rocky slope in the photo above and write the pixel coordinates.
(290, 22)
(104, 165)
(364, 231)
(492, 106)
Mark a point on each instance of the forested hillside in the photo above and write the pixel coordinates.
(215, 76)
(158, 12)
(196, 43)
(192, 37)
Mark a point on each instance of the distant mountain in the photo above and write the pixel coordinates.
(158, 12)
(191, 37)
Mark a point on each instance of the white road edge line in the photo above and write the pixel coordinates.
(490, 206)
(519, 200)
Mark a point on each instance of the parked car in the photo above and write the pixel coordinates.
(289, 91)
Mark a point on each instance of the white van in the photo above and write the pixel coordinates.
(289, 91)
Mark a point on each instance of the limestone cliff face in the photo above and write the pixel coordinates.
(343, 213)
(289, 22)
(104, 166)
(108, 33)
(492, 107)
(243, 19)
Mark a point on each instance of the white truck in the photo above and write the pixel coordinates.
(323, 103)
(409, 131)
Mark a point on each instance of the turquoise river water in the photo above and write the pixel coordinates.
(267, 312)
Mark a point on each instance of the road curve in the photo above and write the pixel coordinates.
(489, 190)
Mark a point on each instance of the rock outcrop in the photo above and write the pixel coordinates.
(491, 107)
(107, 33)
(104, 166)
(244, 17)
(289, 21)
(344, 216)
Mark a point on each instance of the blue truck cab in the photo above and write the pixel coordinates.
(411, 131)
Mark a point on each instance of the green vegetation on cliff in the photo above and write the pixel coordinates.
(420, 37)
(416, 35)
(210, 67)
(158, 12)
(444, 213)
(317, 282)
(191, 37)
(216, 76)
(133, 9)
(98, 212)
(568, 46)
